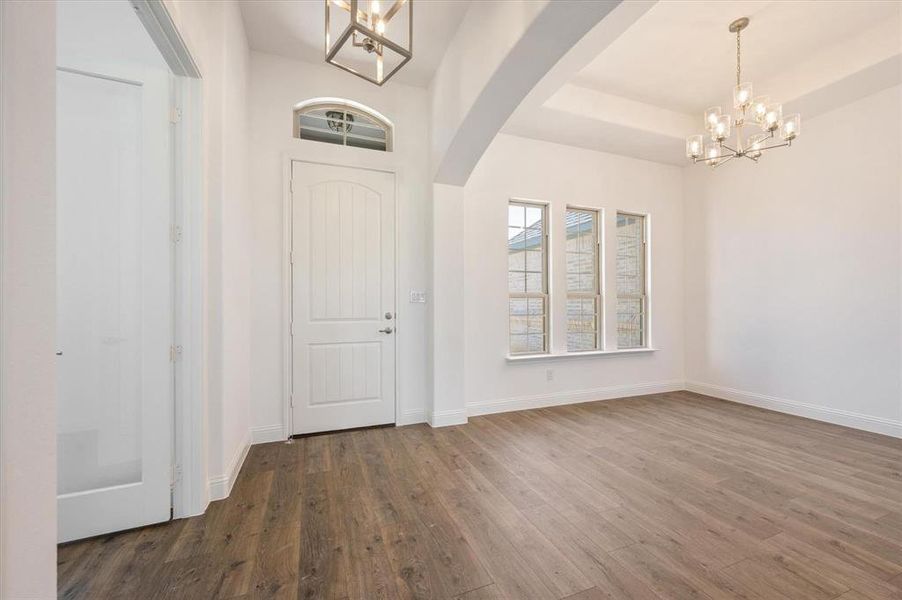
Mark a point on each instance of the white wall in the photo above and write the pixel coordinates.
(793, 271)
(447, 334)
(276, 85)
(27, 300)
(236, 243)
(561, 175)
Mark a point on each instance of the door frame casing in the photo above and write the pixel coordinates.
(190, 489)
(288, 160)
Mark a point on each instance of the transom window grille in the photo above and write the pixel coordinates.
(343, 125)
(583, 280)
(632, 314)
(527, 243)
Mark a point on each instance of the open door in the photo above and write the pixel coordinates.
(114, 274)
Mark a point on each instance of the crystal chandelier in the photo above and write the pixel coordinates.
(767, 115)
(368, 39)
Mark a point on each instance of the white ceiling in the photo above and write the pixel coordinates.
(643, 91)
(681, 56)
(295, 29)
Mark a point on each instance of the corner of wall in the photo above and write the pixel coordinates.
(220, 487)
(446, 418)
(411, 417)
(267, 433)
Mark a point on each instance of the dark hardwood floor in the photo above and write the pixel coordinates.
(667, 496)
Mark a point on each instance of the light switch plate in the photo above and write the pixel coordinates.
(417, 297)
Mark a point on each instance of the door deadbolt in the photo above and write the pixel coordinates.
(389, 316)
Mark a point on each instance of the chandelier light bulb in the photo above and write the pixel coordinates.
(380, 27)
(755, 144)
(742, 95)
(712, 153)
(694, 146)
(791, 127)
(712, 115)
(722, 128)
(772, 117)
(759, 108)
(374, 8)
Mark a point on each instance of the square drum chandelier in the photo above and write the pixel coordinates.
(369, 38)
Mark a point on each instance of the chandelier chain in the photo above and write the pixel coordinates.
(738, 70)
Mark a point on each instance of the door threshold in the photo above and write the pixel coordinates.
(298, 436)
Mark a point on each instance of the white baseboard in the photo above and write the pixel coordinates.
(267, 433)
(409, 417)
(220, 487)
(801, 409)
(574, 397)
(446, 418)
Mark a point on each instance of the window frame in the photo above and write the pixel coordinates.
(644, 298)
(345, 107)
(598, 266)
(545, 294)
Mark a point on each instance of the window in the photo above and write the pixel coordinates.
(527, 274)
(632, 317)
(342, 123)
(583, 281)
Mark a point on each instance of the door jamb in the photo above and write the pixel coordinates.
(288, 159)
(190, 492)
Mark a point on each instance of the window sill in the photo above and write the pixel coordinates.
(541, 357)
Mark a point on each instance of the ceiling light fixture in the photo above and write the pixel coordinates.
(366, 40)
(764, 113)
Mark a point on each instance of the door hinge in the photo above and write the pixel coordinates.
(291, 185)
(175, 473)
(175, 115)
(175, 352)
(291, 328)
(176, 234)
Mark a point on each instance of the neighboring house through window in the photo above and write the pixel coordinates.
(583, 280)
(527, 275)
(632, 298)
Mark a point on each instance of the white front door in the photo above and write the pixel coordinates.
(114, 303)
(343, 322)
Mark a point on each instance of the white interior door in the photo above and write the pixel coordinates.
(343, 297)
(114, 316)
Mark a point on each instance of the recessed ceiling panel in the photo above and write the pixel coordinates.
(681, 56)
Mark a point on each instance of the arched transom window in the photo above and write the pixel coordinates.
(342, 122)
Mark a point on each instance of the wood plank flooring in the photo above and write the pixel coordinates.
(671, 496)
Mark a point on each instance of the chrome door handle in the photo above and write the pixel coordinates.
(386, 330)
